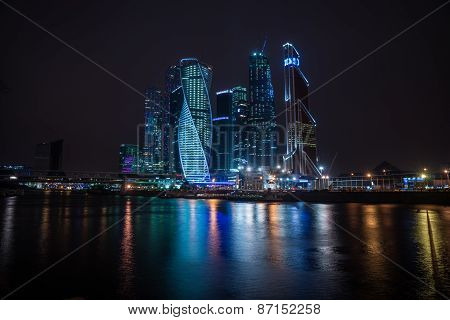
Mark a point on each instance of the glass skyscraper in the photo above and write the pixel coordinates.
(301, 152)
(175, 99)
(128, 158)
(155, 151)
(195, 122)
(261, 117)
(240, 112)
(222, 151)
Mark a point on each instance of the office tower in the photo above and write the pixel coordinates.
(195, 122)
(128, 158)
(155, 150)
(301, 152)
(48, 156)
(174, 96)
(222, 150)
(240, 111)
(261, 118)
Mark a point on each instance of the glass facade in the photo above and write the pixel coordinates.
(261, 117)
(301, 152)
(222, 150)
(240, 111)
(195, 122)
(155, 153)
(175, 99)
(128, 158)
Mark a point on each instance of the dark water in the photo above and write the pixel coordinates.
(211, 249)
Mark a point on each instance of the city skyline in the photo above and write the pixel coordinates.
(385, 117)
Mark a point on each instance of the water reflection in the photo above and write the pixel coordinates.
(200, 249)
(126, 256)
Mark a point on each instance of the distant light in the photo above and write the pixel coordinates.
(128, 186)
(283, 171)
(424, 169)
(220, 118)
(352, 174)
(13, 178)
(369, 175)
(445, 171)
(249, 169)
(321, 168)
(291, 61)
(278, 167)
(327, 177)
(240, 168)
(259, 169)
(423, 176)
(213, 180)
(294, 178)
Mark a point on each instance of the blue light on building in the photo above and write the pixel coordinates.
(195, 123)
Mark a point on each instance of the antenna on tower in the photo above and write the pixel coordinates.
(264, 44)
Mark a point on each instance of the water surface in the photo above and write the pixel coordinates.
(215, 249)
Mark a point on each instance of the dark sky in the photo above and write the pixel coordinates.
(394, 106)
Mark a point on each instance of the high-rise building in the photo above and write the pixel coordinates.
(240, 112)
(128, 162)
(301, 152)
(261, 117)
(155, 152)
(48, 156)
(222, 150)
(195, 122)
(174, 94)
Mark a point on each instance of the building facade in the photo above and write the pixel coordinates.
(128, 161)
(301, 145)
(155, 151)
(261, 117)
(240, 112)
(195, 121)
(48, 156)
(222, 149)
(175, 99)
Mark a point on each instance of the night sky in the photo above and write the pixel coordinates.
(394, 106)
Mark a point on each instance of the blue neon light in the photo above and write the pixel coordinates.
(291, 61)
(220, 118)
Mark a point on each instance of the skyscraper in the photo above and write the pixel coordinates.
(261, 118)
(240, 111)
(195, 122)
(301, 152)
(128, 158)
(49, 156)
(174, 94)
(155, 151)
(222, 151)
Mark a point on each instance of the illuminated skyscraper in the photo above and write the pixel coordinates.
(222, 153)
(240, 111)
(128, 158)
(261, 117)
(174, 94)
(301, 152)
(195, 122)
(155, 151)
